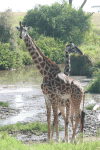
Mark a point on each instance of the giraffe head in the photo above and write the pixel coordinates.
(71, 48)
(23, 30)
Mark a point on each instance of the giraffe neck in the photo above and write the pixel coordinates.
(45, 66)
(67, 64)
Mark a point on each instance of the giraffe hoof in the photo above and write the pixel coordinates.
(71, 141)
(65, 140)
(57, 139)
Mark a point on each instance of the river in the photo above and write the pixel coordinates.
(21, 89)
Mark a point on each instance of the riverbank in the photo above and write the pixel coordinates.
(91, 126)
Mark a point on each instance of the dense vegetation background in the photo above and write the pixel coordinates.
(52, 27)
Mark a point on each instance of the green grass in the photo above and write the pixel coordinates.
(96, 19)
(9, 143)
(29, 127)
(90, 107)
(18, 16)
(94, 86)
(4, 104)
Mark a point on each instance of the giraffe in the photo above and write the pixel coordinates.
(70, 48)
(56, 86)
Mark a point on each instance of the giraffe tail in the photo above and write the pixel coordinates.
(83, 100)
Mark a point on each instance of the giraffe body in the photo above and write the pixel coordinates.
(56, 86)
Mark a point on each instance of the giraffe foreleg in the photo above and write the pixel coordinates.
(48, 107)
(55, 113)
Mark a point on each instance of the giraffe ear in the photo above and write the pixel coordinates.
(17, 28)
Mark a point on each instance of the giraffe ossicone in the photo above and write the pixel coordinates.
(56, 87)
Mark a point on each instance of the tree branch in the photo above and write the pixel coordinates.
(83, 4)
(70, 2)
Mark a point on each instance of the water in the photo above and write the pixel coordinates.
(21, 89)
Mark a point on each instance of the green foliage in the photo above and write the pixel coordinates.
(6, 57)
(51, 48)
(27, 127)
(5, 26)
(94, 86)
(26, 58)
(10, 143)
(4, 104)
(59, 21)
(90, 107)
(81, 65)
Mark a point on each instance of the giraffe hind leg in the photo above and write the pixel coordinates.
(77, 120)
(62, 112)
(67, 119)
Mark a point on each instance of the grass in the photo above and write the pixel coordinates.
(94, 86)
(96, 19)
(18, 16)
(29, 127)
(9, 143)
(4, 104)
(90, 107)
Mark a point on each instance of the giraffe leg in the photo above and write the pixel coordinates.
(55, 113)
(77, 120)
(67, 119)
(72, 115)
(48, 106)
(62, 111)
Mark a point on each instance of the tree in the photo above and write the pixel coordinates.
(59, 21)
(70, 2)
(83, 3)
(98, 7)
(5, 26)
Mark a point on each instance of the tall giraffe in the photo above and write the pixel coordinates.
(56, 86)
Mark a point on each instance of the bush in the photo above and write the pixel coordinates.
(81, 66)
(6, 57)
(6, 26)
(94, 86)
(59, 21)
(51, 48)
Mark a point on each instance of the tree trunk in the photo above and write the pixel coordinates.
(83, 4)
(70, 2)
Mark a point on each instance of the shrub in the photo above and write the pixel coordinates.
(94, 86)
(51, 48)
(59, 21)
(6, 57)
(81, 65)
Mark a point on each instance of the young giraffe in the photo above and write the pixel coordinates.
(57, 87)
